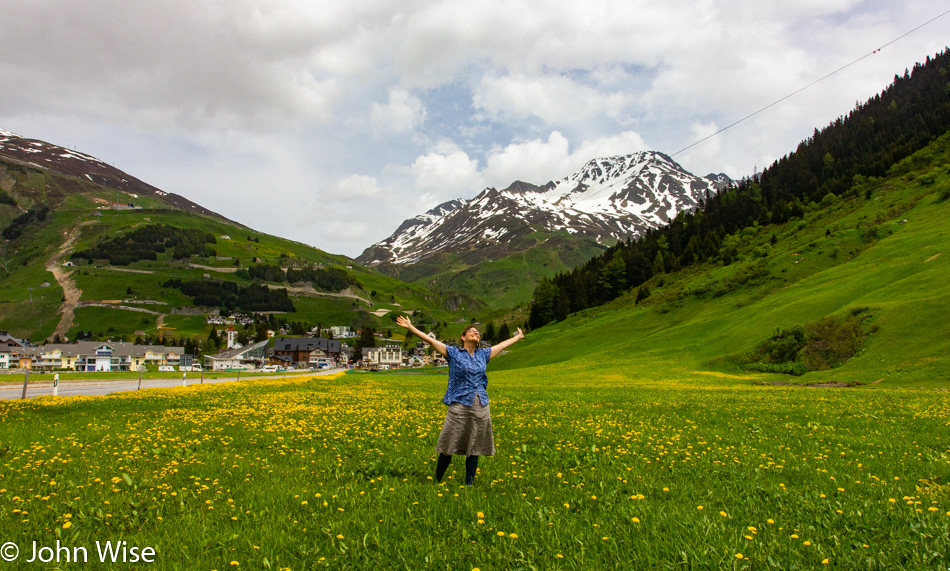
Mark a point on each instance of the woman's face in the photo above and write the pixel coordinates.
(471, 334)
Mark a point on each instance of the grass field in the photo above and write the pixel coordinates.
(614, 468)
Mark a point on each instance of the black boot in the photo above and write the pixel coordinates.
(471, 466)
(441, 466)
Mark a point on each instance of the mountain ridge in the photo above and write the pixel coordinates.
(609, 199)
(646, 189)
(34, 153)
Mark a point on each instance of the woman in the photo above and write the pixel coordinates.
(467, 429)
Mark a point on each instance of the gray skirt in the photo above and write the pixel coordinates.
(467, 431)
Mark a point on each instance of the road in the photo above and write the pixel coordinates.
(104, 387)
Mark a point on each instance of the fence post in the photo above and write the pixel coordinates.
(56, 385)
(202, 376)
(26, 381)
(183, 375)
(140, 380)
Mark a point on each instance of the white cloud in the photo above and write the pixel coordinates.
(553, 99)
(355, 187)
(538, 161)
(346, 230)
(534, 161)
(702, 153)
(446, 171)
(403, 112)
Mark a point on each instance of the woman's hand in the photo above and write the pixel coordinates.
(403, 321)
(496, 349)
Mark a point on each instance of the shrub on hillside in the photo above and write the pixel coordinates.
(32, 216)
(824, 344)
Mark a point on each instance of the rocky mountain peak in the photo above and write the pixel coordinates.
(608, 199)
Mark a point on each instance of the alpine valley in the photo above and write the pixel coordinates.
(502, 242)
(89, 251)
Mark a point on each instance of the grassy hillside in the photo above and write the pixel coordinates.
(886, 250)
(31, 298)
(508, 279)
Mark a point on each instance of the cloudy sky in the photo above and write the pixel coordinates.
(330, 122)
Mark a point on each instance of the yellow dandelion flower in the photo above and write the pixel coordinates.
(699, 507)
(339, 536)
(480, 515)
(501, 534)
(825, 561)
(635, 520)
(513, 535)
(67, 525)
(723, 514)
(740, 556)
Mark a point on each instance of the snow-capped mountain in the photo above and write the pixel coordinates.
(33, 153)
(609, 199)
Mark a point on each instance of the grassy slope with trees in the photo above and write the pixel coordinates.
(28, 308)
(845, 159)
(707, 319)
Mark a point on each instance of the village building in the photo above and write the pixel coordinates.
(10, 341)
(389, 357)
(297, 351)
(93, 356)
(238, 358)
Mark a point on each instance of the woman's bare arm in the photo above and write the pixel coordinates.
(403, 321)
(496, 349)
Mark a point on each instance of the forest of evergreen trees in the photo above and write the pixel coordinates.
(147, 242)
(836, 161)
(19, 224)
(230, 297)
(324, 279)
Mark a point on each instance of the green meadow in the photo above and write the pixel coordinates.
(600, 468)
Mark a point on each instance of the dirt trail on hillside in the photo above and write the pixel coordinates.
(65, 280)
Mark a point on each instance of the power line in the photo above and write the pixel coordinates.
(819, 80)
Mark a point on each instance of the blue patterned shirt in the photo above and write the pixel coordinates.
(467, 376)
